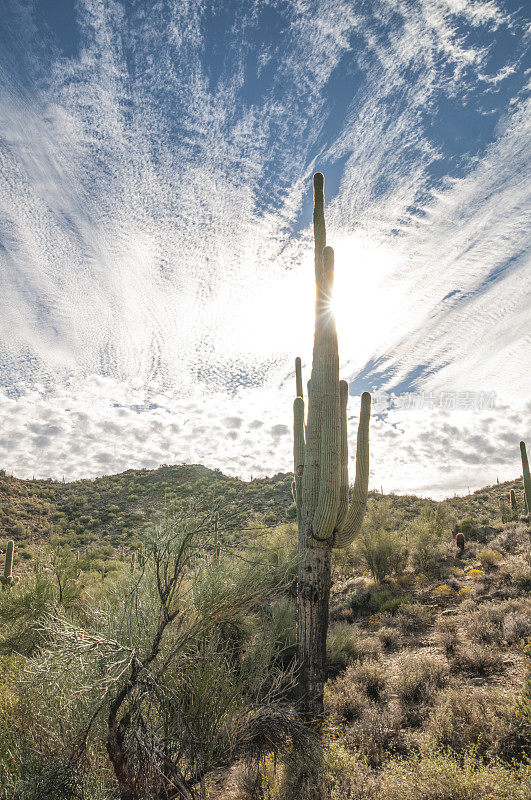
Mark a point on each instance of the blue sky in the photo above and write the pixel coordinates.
(155, 241)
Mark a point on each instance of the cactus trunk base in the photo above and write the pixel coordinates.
(313, 596)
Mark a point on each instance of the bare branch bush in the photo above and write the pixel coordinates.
(181, 670)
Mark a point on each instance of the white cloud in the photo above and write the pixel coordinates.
(155, 280)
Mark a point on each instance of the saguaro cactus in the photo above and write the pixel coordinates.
(325, 518)
(7, 579)
(527, 477)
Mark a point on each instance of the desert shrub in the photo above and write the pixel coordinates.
(344, 699)
(339, 775)
(282, 630)
(370, 647)
(476, 659)
(291, 511)
(417, 682)
(521, 577)
(383, 552)
(483, 719)
(414, 618)
(366, 600)
(484, 623)
(389, 638)
(467, 526)
(516, 626)
(342, 647)
(446, 635)
(22, 610)
(347, 775)
(370, 677)
(441, 776)
(376, 733)
(489, 558)
(524, 703)
(425, 544)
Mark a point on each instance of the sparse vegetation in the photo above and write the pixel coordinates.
(413, 671)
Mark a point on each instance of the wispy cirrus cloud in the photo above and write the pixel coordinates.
(155, 164)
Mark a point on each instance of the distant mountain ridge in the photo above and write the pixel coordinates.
(114, 507)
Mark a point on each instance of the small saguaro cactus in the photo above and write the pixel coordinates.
(325, 517)
(514, 504)
(526, 476)
(460, 542)
(7, 578)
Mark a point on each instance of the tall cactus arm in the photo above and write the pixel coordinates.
(343, 466)
(7, 578)
(298, 439)
(310, 481)
(526, 476)
(298, 453)
(325, 381)
(298, 377)
(319, 225)
(358, 503)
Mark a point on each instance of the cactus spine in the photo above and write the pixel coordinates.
(526, 476)
(7, 578)
(320, 449)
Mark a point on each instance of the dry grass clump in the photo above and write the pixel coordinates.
(511, 538)
(347, 775)
(345, 645)
(484, 719)
(340, 775)
(371, 648)
(493, 622)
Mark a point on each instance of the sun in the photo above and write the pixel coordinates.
(365, 300)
